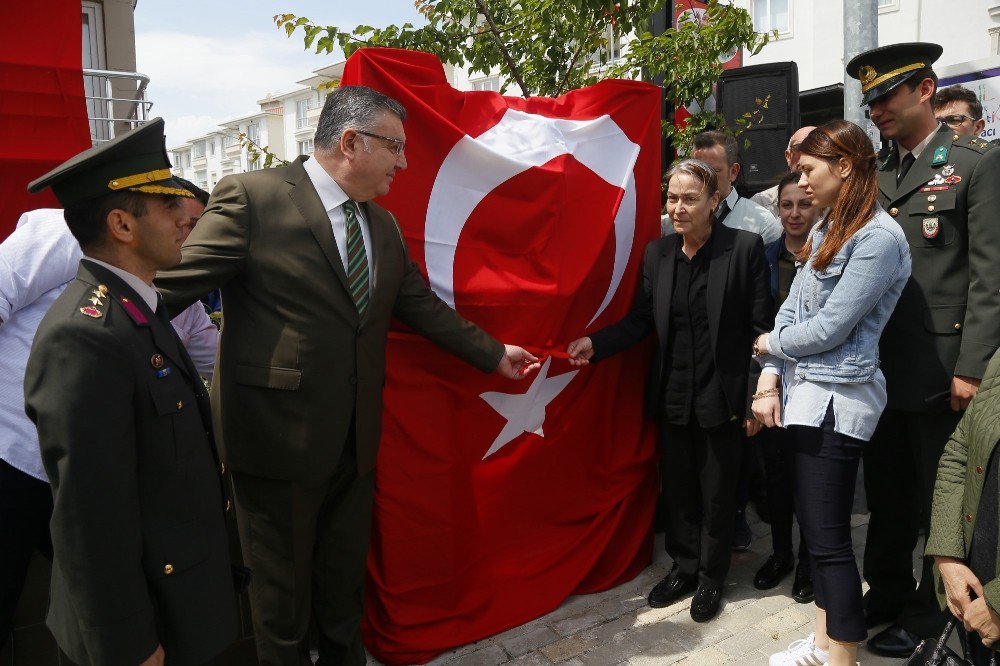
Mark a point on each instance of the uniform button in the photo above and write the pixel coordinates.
(180, 404)
(958, 326)
(168, 569)
(930, 209)
(229, 505)
(968, 517)
(979, 470)
(932, 198)
(352, 380)
(954, 137)
(894, 211)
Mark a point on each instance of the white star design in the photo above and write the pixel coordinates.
(525, 412)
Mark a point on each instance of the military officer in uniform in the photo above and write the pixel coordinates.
(944, 190)
(141, 569)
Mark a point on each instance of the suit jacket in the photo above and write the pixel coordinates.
(298, 368)
(740, 307)
(138, 527)
(947, 321)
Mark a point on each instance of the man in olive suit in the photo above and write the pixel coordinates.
(311, 272)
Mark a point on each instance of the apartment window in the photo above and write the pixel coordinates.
(201, 179)
(489, 83)
(301, 107)
(198, 150)
(886, 3)
(211, 147)
(253, 133)
(228, 141)
(994, 41)
(254, 166)
(306, 147)
(770, 15)
(611, 51)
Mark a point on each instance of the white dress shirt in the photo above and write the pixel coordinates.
(917, 149)
(333, 199)
(37, 262)
(743, 214)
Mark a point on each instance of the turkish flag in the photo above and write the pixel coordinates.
(495, 499)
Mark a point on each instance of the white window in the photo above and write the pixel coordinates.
(253, 133)
(489, 83)
(994, 41)
(770, 15)
(306, 147)
(609, 53)
(198, 150)
(93, 58)
(211, 147)
(228, 141)
(886, 3)
(201, 179)
(301, 107)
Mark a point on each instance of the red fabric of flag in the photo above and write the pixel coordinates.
(43, 115)
(496, 499)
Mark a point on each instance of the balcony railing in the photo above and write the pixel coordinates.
(116, 102)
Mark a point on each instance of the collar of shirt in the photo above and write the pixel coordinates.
(700, 255)
(919, 148)
(330, 193)
(146, 291)
(730, 199)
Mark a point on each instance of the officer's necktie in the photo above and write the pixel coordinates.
(904, 166)
(723, 211)
(357, 260)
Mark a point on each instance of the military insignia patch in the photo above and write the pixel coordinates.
(936, 180)
(930, 227)
(936, 188)
(940, 155)
(948, 170)
(92, 312)
(952, 180)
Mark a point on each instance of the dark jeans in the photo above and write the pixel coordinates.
(25, 510)
(900, 469)
(779, 469)
(700, 469)
(826, 469)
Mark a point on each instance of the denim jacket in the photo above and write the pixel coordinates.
(831, 322)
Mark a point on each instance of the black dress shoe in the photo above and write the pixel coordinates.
(705, 604)
(669, 590)
(894, 642)
(802, 585)
(772, 572)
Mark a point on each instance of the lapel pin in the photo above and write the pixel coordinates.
(92, 312)
(156, 361)
(163, 373)
(940, 155)
(951, 180)
(948, 170)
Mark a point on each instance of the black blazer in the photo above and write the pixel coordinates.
(740, 307)
(138, 528)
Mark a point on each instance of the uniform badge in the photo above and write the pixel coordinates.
(948, 170)
(931, 198)
(92, 312)
(103, 289)
(952, 180)
(938, 179)
(163, 372)
(156, 361)
(940, 155)
(936, 188)
(930, 227)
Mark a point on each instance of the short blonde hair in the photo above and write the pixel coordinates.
(698, 170)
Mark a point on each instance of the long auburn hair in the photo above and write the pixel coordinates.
(856, 201)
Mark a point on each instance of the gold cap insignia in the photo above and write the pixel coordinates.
(867, 74)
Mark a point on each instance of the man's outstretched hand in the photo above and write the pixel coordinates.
(517, 363)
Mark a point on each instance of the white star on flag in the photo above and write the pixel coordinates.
(525, 412)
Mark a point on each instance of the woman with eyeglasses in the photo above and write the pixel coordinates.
(821, 377)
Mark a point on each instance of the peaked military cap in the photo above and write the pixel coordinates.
(881, 70)
(137, 161)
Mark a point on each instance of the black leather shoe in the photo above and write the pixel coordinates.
(802, 585)
(772, 572)
(669, 590)
(894, 642)
(705, 604)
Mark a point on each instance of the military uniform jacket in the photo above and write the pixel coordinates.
(947, 321)
(300, 373)
(141, 555)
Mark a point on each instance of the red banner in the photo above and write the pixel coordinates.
(496, 499)
(43, 116)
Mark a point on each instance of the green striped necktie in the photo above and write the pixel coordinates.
(357, 260)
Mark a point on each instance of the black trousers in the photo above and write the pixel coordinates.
(826, 470)
(25, 510)
(700, 468)
(980, 654)
(900, 469)
(778, 453)
(307, 543)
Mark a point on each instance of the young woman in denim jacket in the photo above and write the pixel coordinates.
(821, 378)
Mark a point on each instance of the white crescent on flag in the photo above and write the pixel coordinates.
(476, 166)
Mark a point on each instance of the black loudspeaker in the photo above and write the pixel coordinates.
(768, 135)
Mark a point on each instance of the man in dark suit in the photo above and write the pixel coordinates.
(944, 190)
(311, 272)
(141, 568)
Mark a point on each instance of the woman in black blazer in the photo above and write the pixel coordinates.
(706, 292)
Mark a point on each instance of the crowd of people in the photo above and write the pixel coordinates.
(849, 313)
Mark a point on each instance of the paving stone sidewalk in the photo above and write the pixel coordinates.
(617, 627)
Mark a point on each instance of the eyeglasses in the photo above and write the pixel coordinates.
(954, 120)
(396, 146)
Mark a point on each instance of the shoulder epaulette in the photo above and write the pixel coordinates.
(973, 143)
(94, 303)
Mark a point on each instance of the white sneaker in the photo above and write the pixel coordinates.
(803, 652)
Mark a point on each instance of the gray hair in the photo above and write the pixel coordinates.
(352, 107)
(698, 170)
